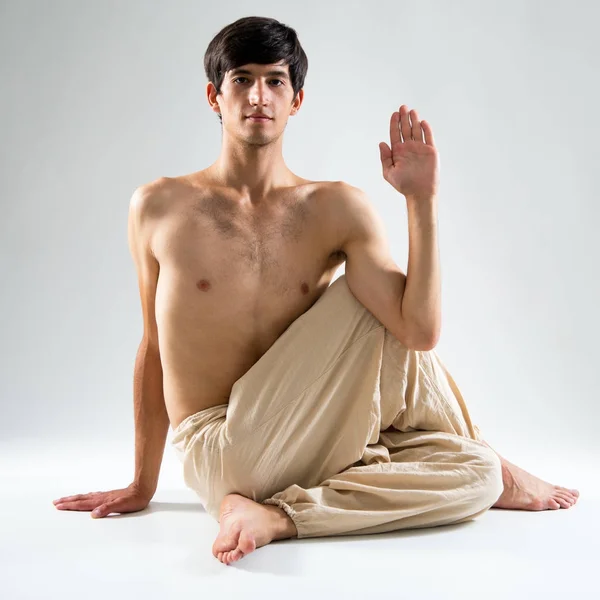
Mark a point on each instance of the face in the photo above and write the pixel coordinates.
(251, 89)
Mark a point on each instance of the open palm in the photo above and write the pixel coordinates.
(410, 165)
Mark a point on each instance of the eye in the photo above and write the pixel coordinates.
(279, 80)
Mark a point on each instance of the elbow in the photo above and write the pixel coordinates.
(429, 342)
(423, 342)
(415, 338)
(149, 344)
(426, 347)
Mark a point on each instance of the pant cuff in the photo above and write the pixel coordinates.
(289, 511)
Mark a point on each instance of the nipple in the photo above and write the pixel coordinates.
(305, 289)
(203, 285)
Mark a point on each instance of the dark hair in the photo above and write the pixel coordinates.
(258, 40)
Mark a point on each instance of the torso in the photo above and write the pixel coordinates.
(233, 276)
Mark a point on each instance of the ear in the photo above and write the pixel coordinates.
(297, 102)
(211, 95)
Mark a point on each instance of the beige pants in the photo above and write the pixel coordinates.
(345, 429)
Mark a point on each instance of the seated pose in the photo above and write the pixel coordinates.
(299, 407)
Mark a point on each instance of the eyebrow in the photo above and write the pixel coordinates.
(274, 73)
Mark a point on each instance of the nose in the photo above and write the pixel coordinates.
(259, 93)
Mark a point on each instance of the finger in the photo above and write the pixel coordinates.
(394, 129)
(84, 504)
(386, 156)
(107, 508)
(416, 131)
(76, 497)
(100, 511)
(428, 133)
(405, 124)
(69, 498)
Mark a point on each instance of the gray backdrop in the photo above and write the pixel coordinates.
(101, 97)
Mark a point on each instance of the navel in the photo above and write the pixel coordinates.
(304, 288)
(203, 284)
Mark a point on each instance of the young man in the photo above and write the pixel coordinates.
(299, 408)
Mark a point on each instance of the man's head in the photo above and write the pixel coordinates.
(259, 46)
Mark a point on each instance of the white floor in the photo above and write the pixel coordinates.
(165, 550)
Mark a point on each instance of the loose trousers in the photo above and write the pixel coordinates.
(345, 429)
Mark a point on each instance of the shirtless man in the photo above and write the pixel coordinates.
(244, 247)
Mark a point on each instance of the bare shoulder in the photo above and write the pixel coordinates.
(343, 194)
(147, 207)
(157, 198)
(148, 197)
(354, 212)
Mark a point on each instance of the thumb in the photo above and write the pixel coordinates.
(385, 153)
(106, 508)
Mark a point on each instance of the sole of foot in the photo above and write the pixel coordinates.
(246, 525)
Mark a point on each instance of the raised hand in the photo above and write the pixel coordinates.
(129, 499)
(411, 164)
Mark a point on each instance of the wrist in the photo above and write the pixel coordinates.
(422, 210)
(419, 200)
(144, 490)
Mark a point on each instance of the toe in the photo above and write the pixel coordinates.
(247, 543)
(225, 543)
(562, 501)
(569, 497)
(553, 504)
(236, 555)
(561, 494)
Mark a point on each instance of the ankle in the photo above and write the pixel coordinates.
(283, 525)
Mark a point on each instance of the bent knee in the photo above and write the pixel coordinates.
(492, 485)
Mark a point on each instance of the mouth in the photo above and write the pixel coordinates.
(259, 119)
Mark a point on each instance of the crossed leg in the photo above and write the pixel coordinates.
(417, 393)
(246, 525)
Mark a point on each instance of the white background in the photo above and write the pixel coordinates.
(98, 98)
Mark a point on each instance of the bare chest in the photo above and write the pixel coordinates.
(231, 280)
(252, 270)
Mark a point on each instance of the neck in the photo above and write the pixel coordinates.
(253, 169)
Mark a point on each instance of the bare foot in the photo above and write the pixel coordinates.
(524, 491)
(247, 525)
